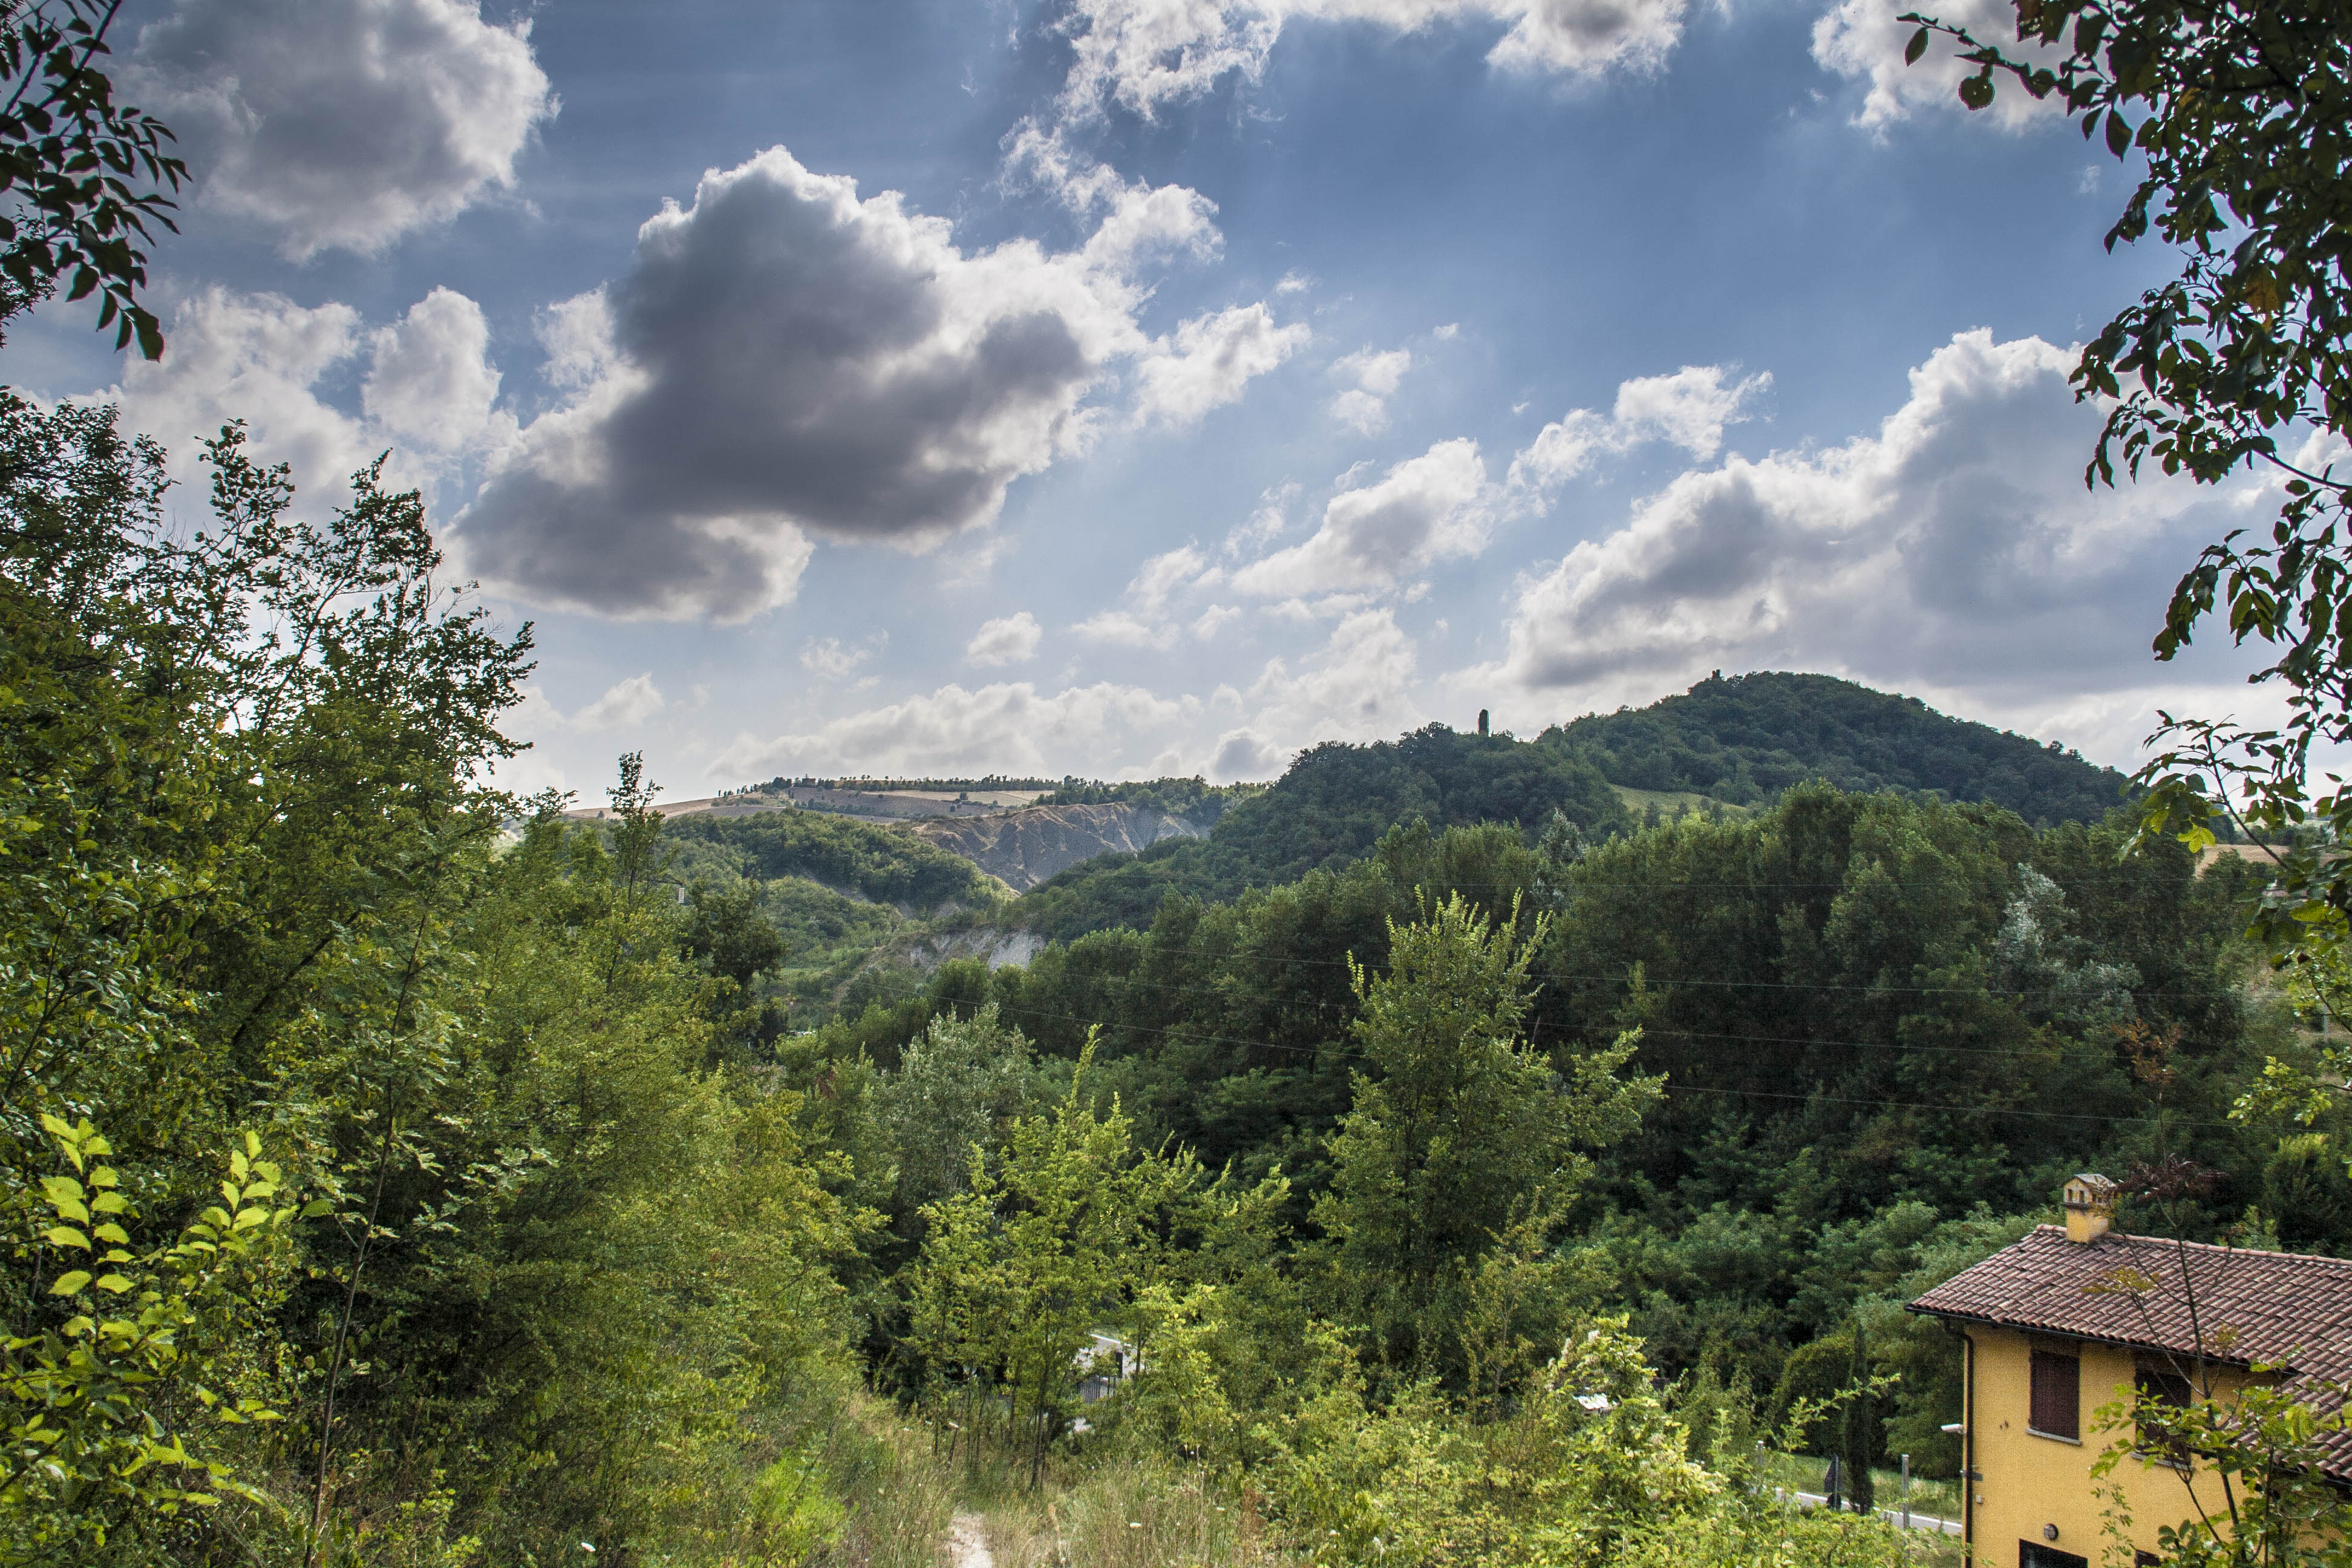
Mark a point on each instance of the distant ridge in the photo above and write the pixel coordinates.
(1743, 738)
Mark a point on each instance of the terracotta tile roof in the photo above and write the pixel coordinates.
(2279, 1306)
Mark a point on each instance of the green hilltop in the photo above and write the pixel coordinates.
(1733, 744)
(1743, 738)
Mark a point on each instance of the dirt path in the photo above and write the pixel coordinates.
(967, 1542)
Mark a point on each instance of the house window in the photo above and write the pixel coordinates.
(2033, 1554)
(2154, 1386)
(2057, 1395)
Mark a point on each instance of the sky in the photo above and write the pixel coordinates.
(1138, 387)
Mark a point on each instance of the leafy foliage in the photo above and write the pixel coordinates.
(88, 175)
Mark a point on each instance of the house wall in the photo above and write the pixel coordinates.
(2031, 1480)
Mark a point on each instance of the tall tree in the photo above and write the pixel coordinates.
(1460, 1130)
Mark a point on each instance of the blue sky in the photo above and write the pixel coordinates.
(1135, 387)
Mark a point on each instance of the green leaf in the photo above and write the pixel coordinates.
(2119, 135)
(65, 1236)
(115, 1283)
(1975, 92)
(113, 1233)
(70, 1284)
(1916, 47)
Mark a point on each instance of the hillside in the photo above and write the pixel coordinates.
(1022, 848)
(1327, 812)
(1744, 739)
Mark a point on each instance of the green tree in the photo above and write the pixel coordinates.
(1460, 1131)
(1025, 1265)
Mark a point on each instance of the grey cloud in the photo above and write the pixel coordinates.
(1955, 548)
(787, 360)
(343, 123)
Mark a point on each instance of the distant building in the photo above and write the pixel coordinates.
(2052, 1333)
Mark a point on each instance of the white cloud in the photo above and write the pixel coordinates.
(1424, 510)
(1212, 360)
(1146, 623)
(1370, 377)
(829, 658)
(1954, 552)
(1009, 727)
(627, 703)
(1213, 620)
(343, 123)
(1008, 639)
(255, 357)
(1688, 408)
(1164, 574)
(430, 377)
(1357, 686)
(783, 360)
(1125, 630)
(262, 358)
(1151, 55)
(1865, 39)
(1267, 521)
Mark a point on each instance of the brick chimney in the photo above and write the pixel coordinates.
(2090, 1206)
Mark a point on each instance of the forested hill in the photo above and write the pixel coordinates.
(1745, 738)
(1327, 810)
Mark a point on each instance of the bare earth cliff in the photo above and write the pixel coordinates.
(1022, 848)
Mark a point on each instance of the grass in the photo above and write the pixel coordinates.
(1671, 801)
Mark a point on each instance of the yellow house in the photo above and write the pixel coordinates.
(2074, 1316)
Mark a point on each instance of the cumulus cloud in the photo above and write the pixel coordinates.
(430, 377)
(1213, 359)
(1955, 551)
(1148, 56)
(1865, 39)
(1688, 408)
(784, 360)
(1008, 639)
(1369, 378)
(1009, 727)
(262, 358)
(343, 123)
(1424, 510)
(258, 357)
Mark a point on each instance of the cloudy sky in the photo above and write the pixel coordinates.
(1128, 387)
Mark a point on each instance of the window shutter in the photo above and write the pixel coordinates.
(2156, 1387)
(2057, 1394)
